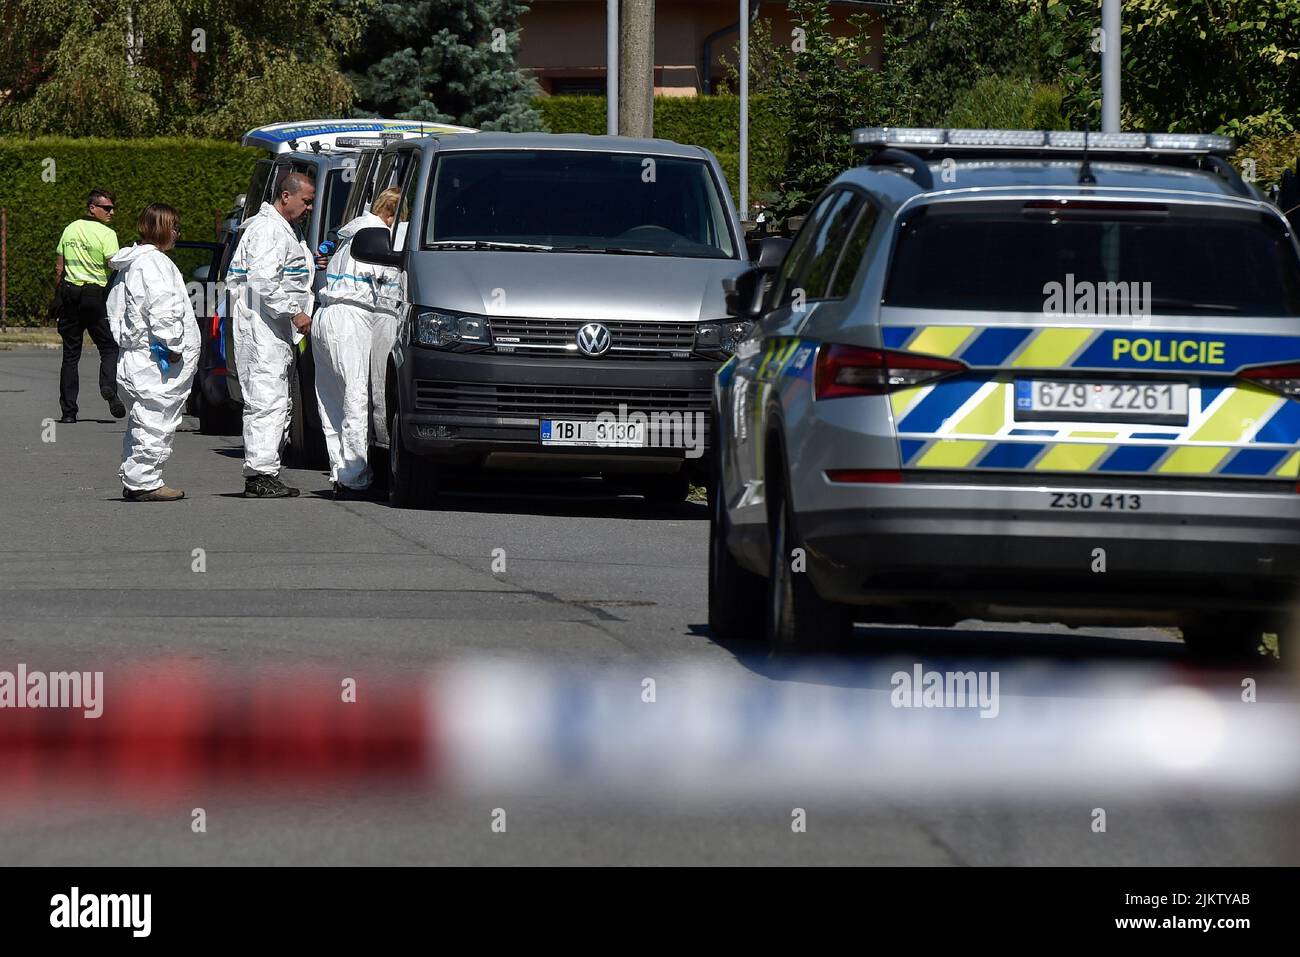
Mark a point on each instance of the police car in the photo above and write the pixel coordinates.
(1016, 375)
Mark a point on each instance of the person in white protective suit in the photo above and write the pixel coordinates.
(270, 281)
(341, 336)
(150, 315)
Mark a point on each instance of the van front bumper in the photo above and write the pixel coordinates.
(488, 408)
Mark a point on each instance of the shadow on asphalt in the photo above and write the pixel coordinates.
(858, 662)
(567, 496)
(571, 506)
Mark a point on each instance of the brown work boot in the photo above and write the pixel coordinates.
(160, 494)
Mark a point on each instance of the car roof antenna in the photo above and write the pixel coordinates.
(1085, 169)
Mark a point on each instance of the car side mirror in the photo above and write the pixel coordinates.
(740, 293)
(374, 245)
(771, 253)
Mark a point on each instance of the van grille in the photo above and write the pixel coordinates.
(629, 339)
(522, 401)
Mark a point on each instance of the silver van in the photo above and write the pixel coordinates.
(561, 307)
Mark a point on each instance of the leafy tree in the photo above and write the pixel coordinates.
(997, 102)
(935, 50)
(819, 87)
(446, 61)
(1227, 65)
(147, 67)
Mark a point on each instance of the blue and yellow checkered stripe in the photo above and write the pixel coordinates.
(967, 422)
(1083, 347)
(1235, 430)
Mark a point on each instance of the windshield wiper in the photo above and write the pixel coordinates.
(1198, 306)
(614, 250)
(486, 244)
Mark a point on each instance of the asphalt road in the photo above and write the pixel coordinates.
(592, 582)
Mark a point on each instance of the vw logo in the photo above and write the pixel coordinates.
(594, 339)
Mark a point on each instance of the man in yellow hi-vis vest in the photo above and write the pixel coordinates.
(82, 273)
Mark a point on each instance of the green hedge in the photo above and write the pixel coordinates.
(1272, 155)
(199, 177)
(709, 121)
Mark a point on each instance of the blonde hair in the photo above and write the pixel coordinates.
(156, 223)
(386, 202)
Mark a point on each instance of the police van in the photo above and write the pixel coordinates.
(1016, 375)
(327, 152)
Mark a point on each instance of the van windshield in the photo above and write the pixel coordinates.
(578, 201)
(1028, 256)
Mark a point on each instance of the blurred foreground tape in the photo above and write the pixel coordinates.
(166, 728)
(854, 732)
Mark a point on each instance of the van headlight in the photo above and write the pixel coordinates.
(722, 337)
(451, 330)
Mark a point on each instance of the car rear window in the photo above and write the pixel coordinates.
(1010, 257)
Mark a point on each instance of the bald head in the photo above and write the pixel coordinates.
(294, 195)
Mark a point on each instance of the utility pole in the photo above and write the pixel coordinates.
(611, 67)
(636, 82)
(1110, 40)
(742, 202)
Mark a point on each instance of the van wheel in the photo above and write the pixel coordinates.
(798, 619)
(1229, 639)
(734, 615)
(306, 445)
(665, 489)
(377, 458)
(412, 481)
(219, 420)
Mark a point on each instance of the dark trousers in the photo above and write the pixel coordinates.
(81, 311)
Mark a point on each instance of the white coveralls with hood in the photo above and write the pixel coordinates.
(341, 335)
(149, 304)
(270, 282)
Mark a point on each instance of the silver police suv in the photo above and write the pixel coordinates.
(1015, 375)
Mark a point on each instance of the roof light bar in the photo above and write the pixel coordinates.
(1098, 141)
(995, 137)
(1041, 141)
(360, 142)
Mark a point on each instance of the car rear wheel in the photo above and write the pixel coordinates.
(1229, 639)
(734, 614)
(798, 619)
(412, 480)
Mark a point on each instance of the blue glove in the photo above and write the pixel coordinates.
(163, 356)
